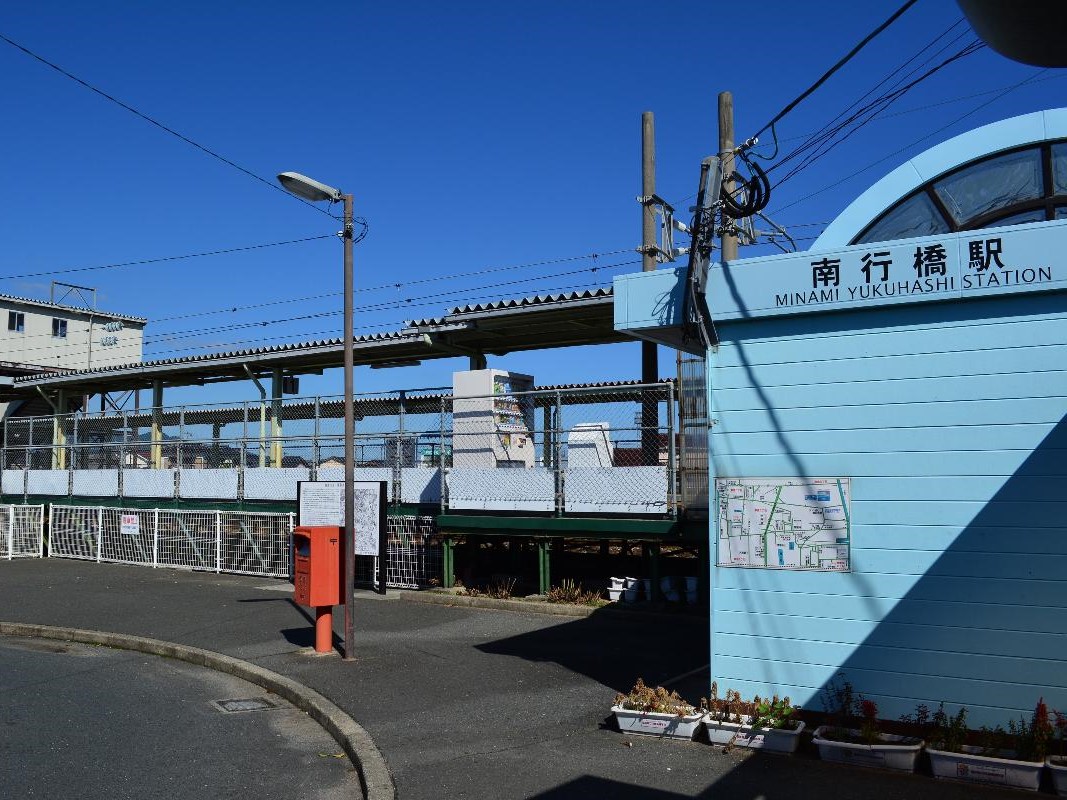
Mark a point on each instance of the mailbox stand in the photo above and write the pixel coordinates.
(317, 577)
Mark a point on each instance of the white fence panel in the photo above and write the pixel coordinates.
(420, 485)
(211, 484)
(502, 489)
(616, 490)
(148, 483)
(273, 483)
(95, 483)
(221, 541)
(48, 482)
(13, 481)
(21, 531)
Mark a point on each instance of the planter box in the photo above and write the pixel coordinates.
(774, 740)
(893, 752)
(1058, 767)
(971, 767)
(649, 723)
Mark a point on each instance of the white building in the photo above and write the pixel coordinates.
(38, 336)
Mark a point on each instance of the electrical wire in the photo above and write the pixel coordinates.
(920, 140)
(848, 57)
(159, 124)
(163, 259)
(398, 285)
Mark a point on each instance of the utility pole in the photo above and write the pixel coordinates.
(726, 153)
(649, 355)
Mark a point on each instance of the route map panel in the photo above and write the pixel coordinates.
(784, 523)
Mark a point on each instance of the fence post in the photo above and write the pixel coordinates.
(181, 436)
(40, 530)
(218, 541)
(672, 458)
(29, 446)
(10, 532)
(441, 460)
(557, 451)
(315, 451)
(398, 461)
(155, 538)
(122, 449)
(99, 533)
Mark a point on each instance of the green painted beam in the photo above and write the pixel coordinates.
(572, 527)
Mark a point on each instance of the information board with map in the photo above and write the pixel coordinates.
(784, 523)
(323, 503)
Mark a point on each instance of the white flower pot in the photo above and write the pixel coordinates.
(971, 767)
(1058, 767)
(893, 752)
(650, 723)
(774, 740)
(614, 594)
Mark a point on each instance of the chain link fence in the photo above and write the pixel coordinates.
(21, 532)
(609, 449)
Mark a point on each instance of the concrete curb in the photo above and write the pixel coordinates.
(375, 779)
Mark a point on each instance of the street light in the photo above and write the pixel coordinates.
(308, 189)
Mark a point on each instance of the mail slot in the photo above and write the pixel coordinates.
(317, 566)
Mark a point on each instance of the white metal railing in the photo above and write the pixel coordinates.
(241, 542)
(21, 531)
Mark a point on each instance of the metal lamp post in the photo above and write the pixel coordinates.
(308, 189)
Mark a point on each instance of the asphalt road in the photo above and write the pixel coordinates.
(78, 721)
(462, 702)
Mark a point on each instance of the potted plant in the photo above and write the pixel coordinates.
(1014, 758)
(1057, 764)
(655, 712)
(852, 735)
(757, 724)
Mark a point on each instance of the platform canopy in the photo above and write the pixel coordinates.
(505, 326)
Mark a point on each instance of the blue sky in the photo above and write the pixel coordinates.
(474, 136)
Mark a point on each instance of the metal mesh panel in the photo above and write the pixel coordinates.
(74, 532)
(414, 557)
(222, 541)
(129, 543)
(255, 544)
(21, 531)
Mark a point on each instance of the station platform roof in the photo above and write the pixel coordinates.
(505, 326)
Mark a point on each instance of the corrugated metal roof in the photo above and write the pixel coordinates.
(536, 300)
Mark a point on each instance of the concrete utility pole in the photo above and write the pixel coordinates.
(726, 153)
(649, 354)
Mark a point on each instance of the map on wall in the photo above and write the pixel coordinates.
(784, 523)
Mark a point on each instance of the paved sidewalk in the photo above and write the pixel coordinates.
(462, 702)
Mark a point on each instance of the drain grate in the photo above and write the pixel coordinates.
(242, 705)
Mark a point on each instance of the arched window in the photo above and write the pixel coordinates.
(1028, 184)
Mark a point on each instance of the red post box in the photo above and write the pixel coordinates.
(317, 566)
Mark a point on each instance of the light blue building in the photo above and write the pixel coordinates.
(888, 442)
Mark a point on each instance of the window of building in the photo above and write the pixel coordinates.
(59, 328)
(916, 216)
(992, 184)
(1024, 185)
(16, 321)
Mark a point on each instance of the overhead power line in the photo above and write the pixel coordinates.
(160, 260)
(848, 57)
(167, 129)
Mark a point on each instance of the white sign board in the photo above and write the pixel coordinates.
(323, 503)
(784, 523)
(130, 525)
